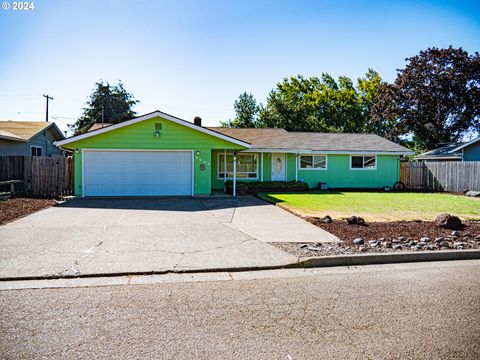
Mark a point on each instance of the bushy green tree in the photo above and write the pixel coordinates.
(246, 111)
(117, 105)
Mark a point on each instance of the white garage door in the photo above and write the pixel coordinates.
(137, 173)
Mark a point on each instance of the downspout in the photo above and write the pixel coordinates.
(261, 166)
(296, 167)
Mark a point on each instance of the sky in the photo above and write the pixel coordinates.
(190, 58)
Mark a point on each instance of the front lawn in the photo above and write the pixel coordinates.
(377, 206)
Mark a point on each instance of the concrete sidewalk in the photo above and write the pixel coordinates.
(108, 236)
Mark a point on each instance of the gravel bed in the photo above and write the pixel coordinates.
(383, 237)
(13, 209)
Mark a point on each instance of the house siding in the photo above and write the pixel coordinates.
(141, 136)
(337, 175)
(472, 152)
(19, 148)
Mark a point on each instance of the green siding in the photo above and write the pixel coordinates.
(141, 135)
(337, 174)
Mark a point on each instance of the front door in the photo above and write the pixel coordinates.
(278, 167)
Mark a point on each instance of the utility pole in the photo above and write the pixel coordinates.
(48, 98)
(103, 114)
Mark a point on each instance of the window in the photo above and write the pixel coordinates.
(246, 166)
(36, 150)
(313, 162)
(363, 162)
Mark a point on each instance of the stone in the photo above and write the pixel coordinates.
(477, 237)
(425, 239)
(401, 238)
(319, 244)
(396, 241)
(445, 244)
(439, 240)
(382, 239)
(327, 219)
(303, 246)
(456, 233)
(472, 193)
(459, 244)
(467, 235)
(430, 247)
(387, 244)
(448, 221)
(422, 244)
(355, 220)
(359, 241)
(397, 247)
(412, 243)
(362, 249)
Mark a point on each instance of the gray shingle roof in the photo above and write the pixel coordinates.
(335, 142)
(445, 151)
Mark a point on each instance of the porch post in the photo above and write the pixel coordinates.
(296, 167)
(261, 166)
(234, 173)
(224, 170)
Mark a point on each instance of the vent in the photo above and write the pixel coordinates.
(158, 126)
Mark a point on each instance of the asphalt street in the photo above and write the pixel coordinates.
(401, 311)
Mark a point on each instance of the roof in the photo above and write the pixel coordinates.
(97, 126)
(282, 140)
(152, 115)
(448, 151)
(25, 130)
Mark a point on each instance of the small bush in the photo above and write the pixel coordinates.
(254, 187)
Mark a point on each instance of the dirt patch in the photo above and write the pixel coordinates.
(13, 209)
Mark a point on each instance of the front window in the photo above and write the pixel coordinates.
(364, 162)
(311, 162)
(246, 166)
(36, 151)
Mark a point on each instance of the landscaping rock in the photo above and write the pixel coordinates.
(303, 246)
(448, 221)
(319, 244)
(355, 220)
(401, 238)
(439, 240)
(412, 243)
(422, 244)
(387, 244)
(425, 239)
(359, 241)
(477, 237)
(459, 244)
(472, 193)
(327, 219)
(397, 247)
(396, 241)
(467, 235)
(382, 239)
(456, 233)
(362, 249)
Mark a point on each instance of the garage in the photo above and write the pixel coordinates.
(137, 172)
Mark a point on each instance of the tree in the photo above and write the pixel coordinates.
(246, 111)
(323, 104)
(435, 99)
(117, 106)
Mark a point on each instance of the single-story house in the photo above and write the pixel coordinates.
(29, 138)
(159, 154)
(457, 151)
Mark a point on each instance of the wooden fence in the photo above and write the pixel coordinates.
(451, 176)
(45, 177)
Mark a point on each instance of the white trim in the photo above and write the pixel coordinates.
(314, 169)
(135, 150)
(363, 169)
(151, 116)
(38, 147)
(465, 145)
(328, 152)
(229, 178)
(234, 190)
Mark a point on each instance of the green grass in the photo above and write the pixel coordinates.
(378, 206)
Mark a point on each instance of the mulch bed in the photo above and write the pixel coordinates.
(390, 230)
(386, 237)
(13, 209)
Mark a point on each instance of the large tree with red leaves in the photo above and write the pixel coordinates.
(434, 99)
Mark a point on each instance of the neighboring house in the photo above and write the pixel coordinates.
(159, 154)
(29, 138)
(458, 151)
(96, 126)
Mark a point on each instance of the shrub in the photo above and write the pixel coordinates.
(254, 187)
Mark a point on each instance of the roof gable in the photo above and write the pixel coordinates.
(26, 130)
(153, 115)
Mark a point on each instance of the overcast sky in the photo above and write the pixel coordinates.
(191, 58)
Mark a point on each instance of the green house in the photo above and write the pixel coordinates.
(159, 154)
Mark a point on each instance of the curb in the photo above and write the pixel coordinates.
(389, 258)
(315, 262)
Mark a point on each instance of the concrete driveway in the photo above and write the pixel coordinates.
(107, 236)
